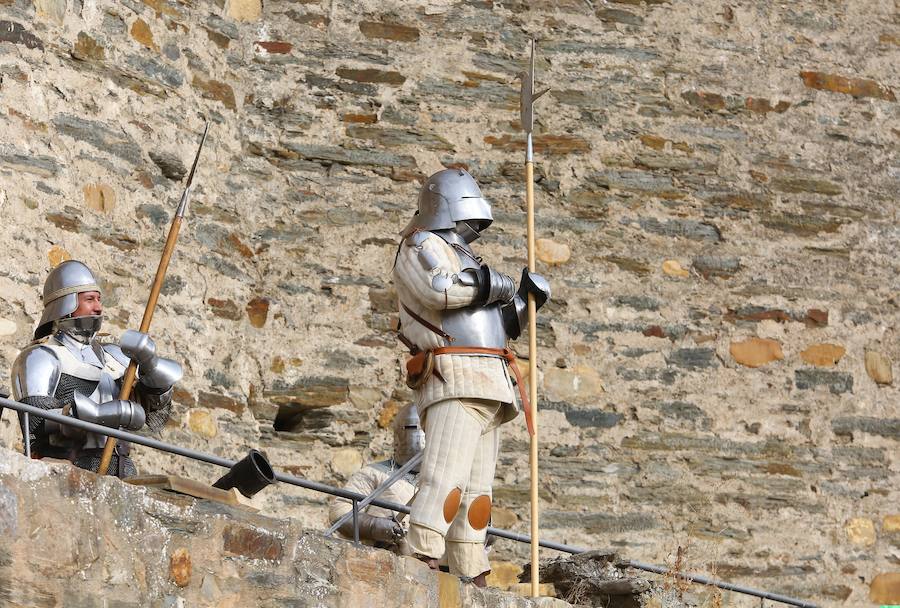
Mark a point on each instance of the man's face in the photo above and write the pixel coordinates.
(88, 304)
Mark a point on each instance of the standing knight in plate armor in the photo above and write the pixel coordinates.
(379, 526)
(67, 369)
(456, 315)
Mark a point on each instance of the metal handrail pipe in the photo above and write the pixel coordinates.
(355, 497)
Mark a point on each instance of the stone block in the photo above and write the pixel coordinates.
(215, 90)
(704, 100)
(836, 382)
(157, 71)
(858, 87)
(387, 30)
(891, 524)
(716, 266)
(98, 135)
(274, 47)
(218, 400)
(142, 33)
(170, 165)
(689, 229)
(99, 197)
(616, 15)
(552, 252)
(226, 309)
(755, 352)
(693, 358)
(244, 10)
(10, 31)
(543, 144)
(202, 423)
(878, 366)
(258, 311)
(580, 384)
(823, 355)
(796, 184)
(253, 543)
(761, 105)
(372, 75)
(673, 268)
(346, 461)
(180, 567)
(885, 588)
(861, 531)
(883, 427)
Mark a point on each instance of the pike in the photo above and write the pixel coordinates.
(526, 101)
(168, 249)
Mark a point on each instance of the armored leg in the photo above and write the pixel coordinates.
(456, 443)
(465, 538)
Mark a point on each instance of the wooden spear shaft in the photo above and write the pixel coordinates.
(526, 102)
(168, 249)
(532, 380)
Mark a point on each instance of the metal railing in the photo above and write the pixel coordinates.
(355, 498)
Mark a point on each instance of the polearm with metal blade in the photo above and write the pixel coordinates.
(527, 100)
(168, 249)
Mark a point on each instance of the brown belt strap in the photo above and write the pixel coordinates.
(503, 353)
(431, 327)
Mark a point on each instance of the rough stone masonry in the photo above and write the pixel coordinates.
(718, 213)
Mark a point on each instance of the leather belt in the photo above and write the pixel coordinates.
(510, 358)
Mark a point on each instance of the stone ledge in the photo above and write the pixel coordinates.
(69, 537)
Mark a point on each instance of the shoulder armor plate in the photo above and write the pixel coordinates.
(35, 372)
(114, 351)
(428, 260)
(417, 238)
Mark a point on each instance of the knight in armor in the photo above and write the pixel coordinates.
(67, 369)
(377, 526)
(456, 315)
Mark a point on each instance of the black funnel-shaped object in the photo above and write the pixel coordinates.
(249, 475)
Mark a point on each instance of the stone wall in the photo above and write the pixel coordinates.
(71, 538)
(716, 189)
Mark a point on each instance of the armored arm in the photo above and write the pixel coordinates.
(371, 527)
(515, 313)
(378, 529)
(115, 413)
(153, 372)
(430, 275)
(156, 377)
(35, 376)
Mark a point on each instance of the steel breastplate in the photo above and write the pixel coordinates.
(473, 325)
(105, 377)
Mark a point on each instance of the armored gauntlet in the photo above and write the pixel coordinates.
(154, 372)
(515, 314)
(115, 413)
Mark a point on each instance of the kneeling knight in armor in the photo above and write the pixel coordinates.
(456, 315)
(68, 369)
(378, 526)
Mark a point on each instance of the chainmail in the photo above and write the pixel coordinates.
(38, 437)
(36, 423)
(158, 406)
(90, 460)
(67, 386)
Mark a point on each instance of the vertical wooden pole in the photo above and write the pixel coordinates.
(131, 372)
(532, 380)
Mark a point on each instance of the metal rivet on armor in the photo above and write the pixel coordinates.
(480, 512)
(451, 504)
